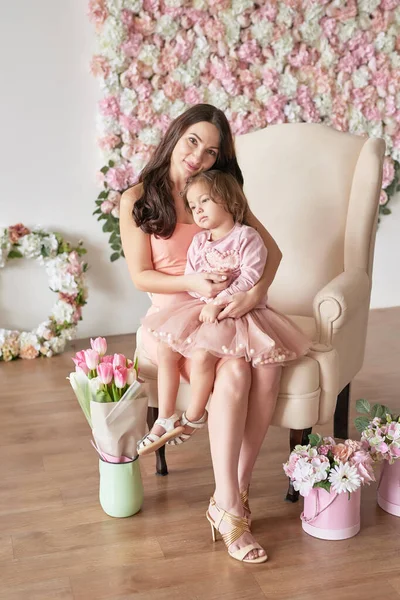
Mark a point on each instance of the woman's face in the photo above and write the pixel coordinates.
(196, 150)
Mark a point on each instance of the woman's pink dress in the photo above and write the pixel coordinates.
(262, 336)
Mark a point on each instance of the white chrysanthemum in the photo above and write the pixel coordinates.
(174, 3)
(112, 35)
(112, 84)
(68, 334)
(200, 4)
(361, 77)
(201, 48)
(177, 108)
(149, 54)
(232, 27)
(263, 94)
(50, 244)
(347, 30)
(44, 329)
(150, 136)
(138, 162)
(285, 15)
(375, 129)
(217, 97)
(187, 74)
(292, 111)
(262, 31)
(241, 104)
(283, 46)
(133, 5)
(28, 339)
(344, 478)
(62, 311)
(368, 6)
(57, 344)
(323, 103)
(357, 122)
(167, 27)
(107, 125)
(385, 43)
(30, 245)
(328, 55)
(288, 84)
(159, 101)
(128, 101)
(310, 31)
(239, 6)
(59, 279)
(395, 60)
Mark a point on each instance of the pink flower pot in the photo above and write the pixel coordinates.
(389, 488)
(331, 516)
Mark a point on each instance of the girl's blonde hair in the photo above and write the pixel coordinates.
(223, 189)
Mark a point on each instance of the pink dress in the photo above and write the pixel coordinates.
(262, 336)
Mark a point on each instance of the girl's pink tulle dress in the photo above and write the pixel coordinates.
(262, 336)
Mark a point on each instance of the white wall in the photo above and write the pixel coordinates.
(48, 160)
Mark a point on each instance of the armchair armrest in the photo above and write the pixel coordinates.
(337, 302)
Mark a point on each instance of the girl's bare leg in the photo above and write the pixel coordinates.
(227, 418)
(202, 376)
(168, 378)
(262, 401)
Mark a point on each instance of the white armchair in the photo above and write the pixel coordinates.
(317, 191)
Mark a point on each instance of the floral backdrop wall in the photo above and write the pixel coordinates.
(335, 62)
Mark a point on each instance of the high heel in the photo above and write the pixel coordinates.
(239, 526)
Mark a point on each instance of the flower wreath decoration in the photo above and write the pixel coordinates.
(66, 278)
(317, 61)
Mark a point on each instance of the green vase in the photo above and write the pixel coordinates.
(121, 488)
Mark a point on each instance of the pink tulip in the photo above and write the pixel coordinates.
(100, 345)
(79, 357)
(105, 372)
(91, 358)
(107, 359)
(82, 366)
(119, 360)
(120, 376)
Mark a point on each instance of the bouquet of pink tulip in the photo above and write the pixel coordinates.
(380, 431)
(112, 399)
(323, 463)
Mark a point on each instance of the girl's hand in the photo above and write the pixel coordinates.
(207, 285)
(239, 305)
(209, 313)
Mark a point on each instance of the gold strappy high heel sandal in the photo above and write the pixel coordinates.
(239, 526)
(244, 497)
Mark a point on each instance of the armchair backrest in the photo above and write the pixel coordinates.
(317, 191)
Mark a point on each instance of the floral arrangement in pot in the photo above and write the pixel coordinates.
(380, 435)
(329, 475)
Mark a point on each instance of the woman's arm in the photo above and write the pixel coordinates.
(137, 250)
(273, 260)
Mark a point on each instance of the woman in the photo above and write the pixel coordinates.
(156, 231)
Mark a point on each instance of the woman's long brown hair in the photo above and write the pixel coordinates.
(155, 211)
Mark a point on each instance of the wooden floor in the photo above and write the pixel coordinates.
(57, 543)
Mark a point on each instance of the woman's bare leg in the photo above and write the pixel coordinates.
(227, 417)
(262, 401)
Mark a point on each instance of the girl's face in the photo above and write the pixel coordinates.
(206, 213)
(196, 150)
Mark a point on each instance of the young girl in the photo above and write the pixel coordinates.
(192, 329)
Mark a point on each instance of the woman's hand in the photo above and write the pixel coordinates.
(207, 285)
(239, 305)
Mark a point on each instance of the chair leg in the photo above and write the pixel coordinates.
(341, 418)
(297, 436)
(161, 465)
